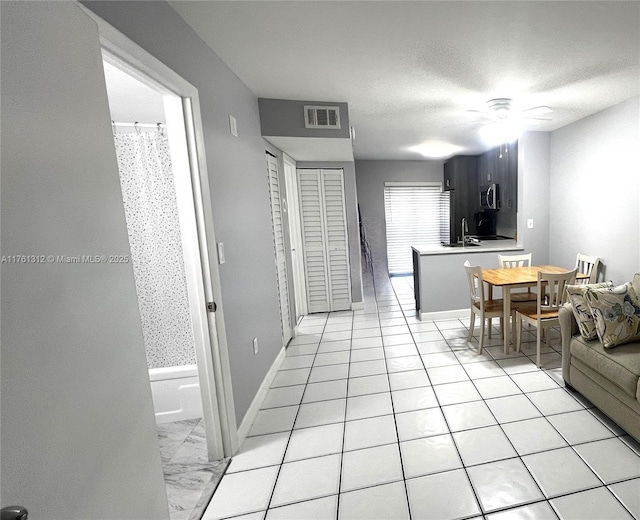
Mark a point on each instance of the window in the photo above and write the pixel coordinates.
(416, 214)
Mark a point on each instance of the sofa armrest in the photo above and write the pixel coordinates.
(568, 328)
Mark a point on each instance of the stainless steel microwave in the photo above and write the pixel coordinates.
(489, 197)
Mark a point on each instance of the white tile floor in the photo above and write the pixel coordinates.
(375, 414)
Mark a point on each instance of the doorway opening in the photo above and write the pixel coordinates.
(165, 243)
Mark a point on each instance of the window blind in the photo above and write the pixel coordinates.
(415, 215)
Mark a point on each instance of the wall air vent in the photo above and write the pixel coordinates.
(316, 116)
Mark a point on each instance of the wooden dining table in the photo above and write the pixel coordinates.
(508, 278)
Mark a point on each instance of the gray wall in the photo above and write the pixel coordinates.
(237, 180)
(353, 228)
(533, 195)
(283, 117)
(443, 284)
(370, 179)
(78, 432)
(594, 195)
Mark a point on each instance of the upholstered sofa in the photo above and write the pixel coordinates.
(608, 377)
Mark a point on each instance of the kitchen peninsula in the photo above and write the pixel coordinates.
(440, 284)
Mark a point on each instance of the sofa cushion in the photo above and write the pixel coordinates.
(621, 366)
(581, 310)
(616, 312)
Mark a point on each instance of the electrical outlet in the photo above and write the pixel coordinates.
(530, 223)
(255, 346)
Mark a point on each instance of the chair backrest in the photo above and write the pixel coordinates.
(552, 289)
(523, 260)
(476, 287)
(588, 265)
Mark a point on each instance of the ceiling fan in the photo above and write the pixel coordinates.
(504, 124)
(502, 110)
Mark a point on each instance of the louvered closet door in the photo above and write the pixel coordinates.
(313, 241)
(279, 246)
(336, 239)
(324, 233)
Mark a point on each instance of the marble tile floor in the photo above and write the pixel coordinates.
(189, 477)
(377, 415)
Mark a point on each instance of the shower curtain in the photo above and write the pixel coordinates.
(151, 212)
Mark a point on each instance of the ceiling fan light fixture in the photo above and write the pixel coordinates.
(436, 149)
(500, 108)
(501, 132)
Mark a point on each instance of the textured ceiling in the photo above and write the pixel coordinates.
(410, 71)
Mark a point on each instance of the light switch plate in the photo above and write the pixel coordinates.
(233, 126)
(530, 223)
(220, 253)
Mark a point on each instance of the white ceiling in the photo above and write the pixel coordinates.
(130, 100)
(411, 70)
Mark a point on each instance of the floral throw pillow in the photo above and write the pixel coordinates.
(581, 309)
(636, 283)
(616, 313)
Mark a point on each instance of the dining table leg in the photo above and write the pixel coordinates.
(506, 317)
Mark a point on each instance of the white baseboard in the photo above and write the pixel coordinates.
(357, 306)
(252, 412)
(445, 315)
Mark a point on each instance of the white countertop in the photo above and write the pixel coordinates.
(484, 247)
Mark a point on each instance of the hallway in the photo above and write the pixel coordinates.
(375, 414)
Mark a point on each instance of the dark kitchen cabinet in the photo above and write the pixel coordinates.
(461, 179)
(502, 171)
(510, 201)
(449, 177)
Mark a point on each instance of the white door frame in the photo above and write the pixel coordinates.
(211, 343)
(282, 278)
(295, 236)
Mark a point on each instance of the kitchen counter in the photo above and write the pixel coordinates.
(483, 247)
(439, 279)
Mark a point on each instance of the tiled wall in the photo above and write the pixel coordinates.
(151, 211)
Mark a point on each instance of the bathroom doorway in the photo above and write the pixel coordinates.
(177, 316)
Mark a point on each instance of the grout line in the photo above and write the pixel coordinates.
(464, 468)
(395, 422)
(284, 453)
(344, 424)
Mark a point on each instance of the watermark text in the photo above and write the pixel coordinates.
(65, 259)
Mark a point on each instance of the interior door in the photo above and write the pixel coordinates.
(336, 239)
(313, 241)
(295, 238)
(279, 246)
(324, 235)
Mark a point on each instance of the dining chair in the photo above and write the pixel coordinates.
(588, 265)
(523, 260)
(484, 308)
(551, 296)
